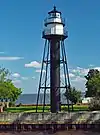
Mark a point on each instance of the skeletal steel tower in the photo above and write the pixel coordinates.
(54, 55)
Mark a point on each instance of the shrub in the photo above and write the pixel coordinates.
(11, 104)
(94, 105)
(20, 104)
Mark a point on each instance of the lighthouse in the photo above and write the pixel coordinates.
(54, 55)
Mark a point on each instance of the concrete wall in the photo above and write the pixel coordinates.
(87, 117)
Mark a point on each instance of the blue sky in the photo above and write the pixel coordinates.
(21, 25)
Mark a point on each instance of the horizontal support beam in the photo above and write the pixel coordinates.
(48, 62)
(50, 87)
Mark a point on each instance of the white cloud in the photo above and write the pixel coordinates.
(76, 75)
(91, 65)
(80, 71)
(24, 78)
(2, 52)
(78, 79)
(71, 75)
(33, 77)
(39, 70)
(79, 68)
(17, 83)
(34, 64)
(16, 75)
(10, 58)
(97, 68)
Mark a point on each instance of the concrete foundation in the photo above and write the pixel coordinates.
(33, 118)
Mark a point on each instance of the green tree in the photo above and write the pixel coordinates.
(93, 83)
(14, 92)
(74, 95)
(4, 73)
(7, 89)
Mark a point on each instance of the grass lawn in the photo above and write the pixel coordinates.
(47, 108)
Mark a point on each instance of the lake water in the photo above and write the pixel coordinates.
(31, 99)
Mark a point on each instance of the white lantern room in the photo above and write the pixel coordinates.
(54, 24)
